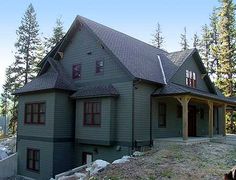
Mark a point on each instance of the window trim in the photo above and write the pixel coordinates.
(159, 115)
(79, 71)
(34, 161)
(31, 114)
(92, 113)
(99, 67)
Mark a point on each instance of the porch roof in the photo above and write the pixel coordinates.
(172, 89)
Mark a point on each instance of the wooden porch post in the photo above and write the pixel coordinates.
(184, 102)
(224, 120)
(210, 119)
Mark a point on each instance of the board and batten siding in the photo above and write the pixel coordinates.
(180, 76)
(85, 49)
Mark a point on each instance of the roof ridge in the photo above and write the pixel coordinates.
(191, 49)
(78, 16)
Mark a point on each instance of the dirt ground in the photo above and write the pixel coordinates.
(199, 161)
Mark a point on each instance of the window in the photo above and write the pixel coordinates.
(92, 113)
(35, 113)
(99, 66)
(33, 159)
(162, 115)
(87, 158)
(76, 71)
(179, 111)
(191, 79)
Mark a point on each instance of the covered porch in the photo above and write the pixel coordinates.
(191, 128)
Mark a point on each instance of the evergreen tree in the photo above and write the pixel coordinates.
(58, 34)
(226, 48)
(214, 41)
(27, 45)
(205, 48)
(196, 41)
(158, 39)
(183, 40)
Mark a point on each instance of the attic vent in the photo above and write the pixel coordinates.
(89, 53)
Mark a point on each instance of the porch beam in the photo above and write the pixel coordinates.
(224, 119)
(184, 100)
(210, 119)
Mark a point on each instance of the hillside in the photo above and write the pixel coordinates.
(199, 161)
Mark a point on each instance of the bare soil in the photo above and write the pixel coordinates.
(199, 161)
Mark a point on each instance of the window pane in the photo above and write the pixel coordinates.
(36, 166)
(36, 155)
(30, 165)
(88, 119)
(42, 108)
(96, 119)
(194, 76)
(35, 108)
(30, 154)
(28, 108)
(187, 75)
(42, 118)
(35, 118)
(28, 118)
(76, 71)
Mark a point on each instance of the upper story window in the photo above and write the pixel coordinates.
(35, 113)
(76, 71)
(92, 113)
(33, 159)
(162, 115)
(191, 79)
(99, 66)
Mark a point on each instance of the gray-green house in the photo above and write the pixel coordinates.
(100, 94)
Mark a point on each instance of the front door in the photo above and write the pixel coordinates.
(191, 121)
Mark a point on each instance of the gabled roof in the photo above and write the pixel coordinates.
(176, 89)
(95, 91)
(55, 78)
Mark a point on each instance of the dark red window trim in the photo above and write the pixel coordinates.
(34, 159)
(162, 115)
(91, 109)
(32, 113)
(76, 71)
(99, 67)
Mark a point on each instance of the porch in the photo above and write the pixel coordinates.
(190, 127)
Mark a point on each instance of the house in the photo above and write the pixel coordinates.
(100, 94)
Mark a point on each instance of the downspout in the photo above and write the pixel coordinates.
(151, 142)
(132, 136)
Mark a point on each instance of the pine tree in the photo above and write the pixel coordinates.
(58, 34)
(183, 40)
(205, 48)
(214, 41)
(196, 41)
(226, 48)
(27, 45)
(158, 39)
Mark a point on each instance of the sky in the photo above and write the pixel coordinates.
(137, 18)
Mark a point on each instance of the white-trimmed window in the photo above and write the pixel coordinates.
(191, 79)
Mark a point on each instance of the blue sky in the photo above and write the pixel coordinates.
(133, 17)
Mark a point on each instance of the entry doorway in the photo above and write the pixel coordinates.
(192, 120)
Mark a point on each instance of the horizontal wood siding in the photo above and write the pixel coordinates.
(77, 53)
(46, 158)
(142, 94)
(64, 116)
(191, 65)
(37, 129)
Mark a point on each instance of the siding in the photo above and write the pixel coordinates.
(100, 152)
(46, 159)
(180, 76)
(36, 130)
(76, 53)
(142, 94)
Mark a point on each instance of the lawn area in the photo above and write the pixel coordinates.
(199, 161)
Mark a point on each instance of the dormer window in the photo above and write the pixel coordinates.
(99, 67)
(76, 71)
(191, 79)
